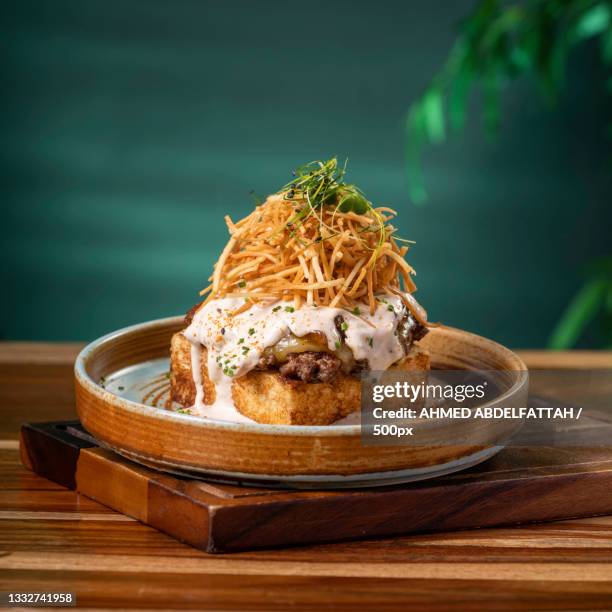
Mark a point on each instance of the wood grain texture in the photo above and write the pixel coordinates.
(553, 483)
(119, 564)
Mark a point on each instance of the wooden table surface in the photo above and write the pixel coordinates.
(52, 539)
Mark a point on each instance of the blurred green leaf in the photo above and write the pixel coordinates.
(505, 22)
(520, 60)
(580, 312)
(414, 140)
(548, 52)
(491, 92)
(593, 22)
(433, 115)
(459, 89)
(481, 16)
(458, 101)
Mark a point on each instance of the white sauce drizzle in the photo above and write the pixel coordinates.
(196, 373)
(236, 343)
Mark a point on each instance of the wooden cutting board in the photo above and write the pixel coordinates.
(520, 484)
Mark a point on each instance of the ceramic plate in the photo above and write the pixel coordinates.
(122, 399)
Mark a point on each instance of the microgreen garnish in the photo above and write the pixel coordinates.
(322, 183)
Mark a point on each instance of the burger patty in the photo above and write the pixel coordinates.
(311, 367)
(191, 313)
(409, 331)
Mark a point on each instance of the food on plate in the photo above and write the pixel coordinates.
(311, 289)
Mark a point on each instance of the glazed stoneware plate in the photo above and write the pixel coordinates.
(122, 399)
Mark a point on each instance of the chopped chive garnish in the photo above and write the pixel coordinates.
(344, 326)
(251, 331)
(289, 309)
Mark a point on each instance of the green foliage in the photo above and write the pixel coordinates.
(498, 43)
(594, 299)
(581, 310)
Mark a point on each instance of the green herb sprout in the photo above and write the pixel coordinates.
(322, 183)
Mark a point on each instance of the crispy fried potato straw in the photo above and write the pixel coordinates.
(284, 250)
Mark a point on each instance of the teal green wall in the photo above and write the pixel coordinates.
(129, 129)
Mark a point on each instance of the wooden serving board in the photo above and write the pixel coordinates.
(518, 485)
